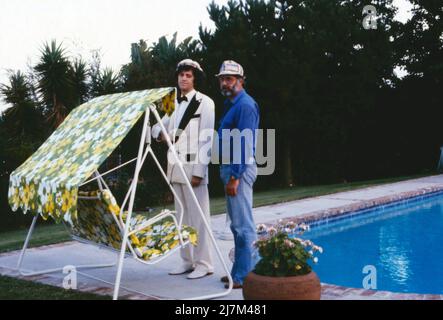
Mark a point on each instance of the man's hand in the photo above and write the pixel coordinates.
(195, 181)
(161, 137)
(232, 186)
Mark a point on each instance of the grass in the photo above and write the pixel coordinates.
(17, 289)
(11, 288)
(42, 235)
(296, 193)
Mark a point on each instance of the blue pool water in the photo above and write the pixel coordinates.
(403, 241)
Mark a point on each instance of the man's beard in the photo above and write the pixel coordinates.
(229, 91)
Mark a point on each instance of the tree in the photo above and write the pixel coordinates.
(22, 120)
(419, 94)
(55, 83)
(154, 66)
(21, 132)
(80, 74)
(107, 82)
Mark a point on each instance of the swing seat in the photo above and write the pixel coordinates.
(98, 222)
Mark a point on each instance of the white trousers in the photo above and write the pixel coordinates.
(202, 253)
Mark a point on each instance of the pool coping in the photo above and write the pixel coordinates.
(361, 206)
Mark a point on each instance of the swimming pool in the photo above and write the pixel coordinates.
(403, 241)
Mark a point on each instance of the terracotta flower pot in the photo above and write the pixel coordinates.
(306, 287)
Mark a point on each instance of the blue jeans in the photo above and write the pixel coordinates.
(242, 223)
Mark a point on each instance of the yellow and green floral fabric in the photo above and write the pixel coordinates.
(95, 222)
(47, 182)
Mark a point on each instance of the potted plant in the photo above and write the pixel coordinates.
(283, 272)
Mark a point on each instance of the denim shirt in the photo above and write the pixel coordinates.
(240, 113)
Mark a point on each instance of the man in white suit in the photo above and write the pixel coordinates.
(190, 128)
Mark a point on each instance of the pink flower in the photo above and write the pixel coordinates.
(289, 243)
(272, 231)
(261, 228)
(291, 225)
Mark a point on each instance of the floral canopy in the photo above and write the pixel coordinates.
(47, 183)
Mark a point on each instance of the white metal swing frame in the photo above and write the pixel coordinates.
(144, 149)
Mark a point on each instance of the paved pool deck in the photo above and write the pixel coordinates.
(154, 280)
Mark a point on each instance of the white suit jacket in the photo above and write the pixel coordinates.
(194, 144)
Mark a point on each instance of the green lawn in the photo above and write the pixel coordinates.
(17, 289)
(48, 234)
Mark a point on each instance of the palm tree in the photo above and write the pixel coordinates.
(79, 75)
(154, 66)
(106, 82)
(55, 84)
(166, 53)
(21, 126)
(22, 119)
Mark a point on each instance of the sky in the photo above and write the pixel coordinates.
(106, 25)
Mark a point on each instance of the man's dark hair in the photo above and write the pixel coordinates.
(198, 75)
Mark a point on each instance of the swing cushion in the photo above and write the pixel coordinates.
(95, 223)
